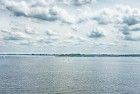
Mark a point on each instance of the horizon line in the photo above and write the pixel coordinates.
(78, 55)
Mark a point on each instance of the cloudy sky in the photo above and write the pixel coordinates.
(69, 26)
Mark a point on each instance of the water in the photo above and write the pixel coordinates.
(69, 75)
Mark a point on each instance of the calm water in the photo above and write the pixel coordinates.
(69, 75)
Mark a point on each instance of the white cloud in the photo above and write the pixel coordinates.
(123, 19)
(50, 10)
(117, 15)
(120, 23)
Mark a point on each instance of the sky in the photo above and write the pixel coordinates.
(70, 26)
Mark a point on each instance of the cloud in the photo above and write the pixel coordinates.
(54, 10)
(96, 33)
(49, 10)
(82, 2)
(118, 14)
(14, 37)
(123, 19)
(24, 36)
(119, 23)
(133, 36)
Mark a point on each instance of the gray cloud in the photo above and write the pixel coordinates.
(83, 2)
(13, 38)
(96, 34)
(132, 38)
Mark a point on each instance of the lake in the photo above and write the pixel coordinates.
(69, 75)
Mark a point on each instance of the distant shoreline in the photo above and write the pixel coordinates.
(77, 55)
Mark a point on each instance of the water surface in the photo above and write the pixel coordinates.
(69, 75)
